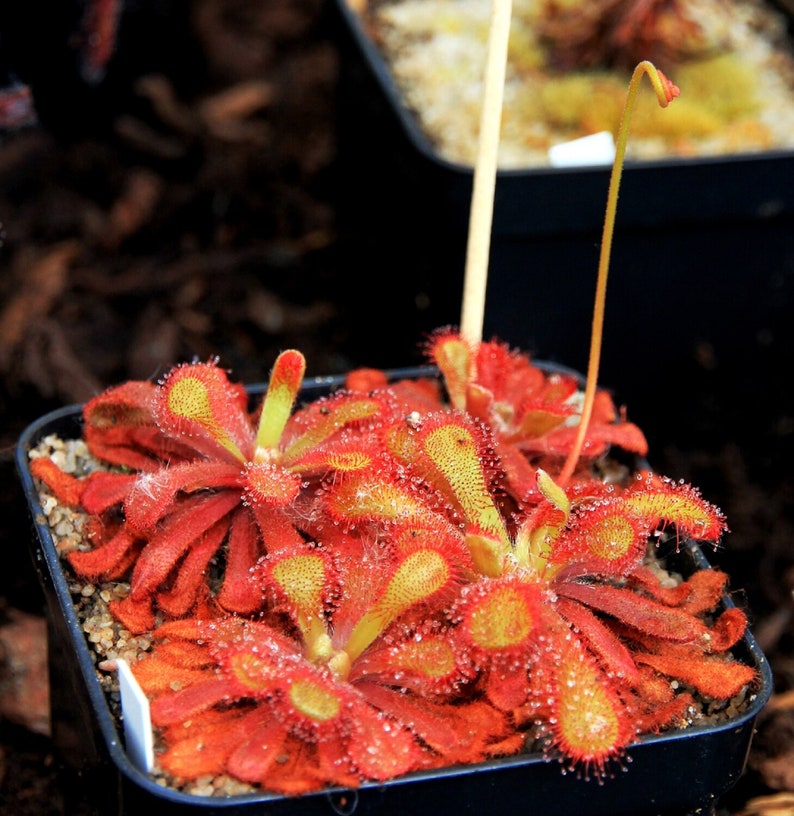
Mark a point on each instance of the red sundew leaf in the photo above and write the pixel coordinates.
(198, 631)
(157, 675)
(262, 746)
(139, 449)
(516, 382)
(420, 574)
(361, 568)
(653, 690)
(603, 431)
(379, 747)
(520, 474)
(282, 391)
(239, 592)
(328, 768)
(636, 611)
(430, 528)
(714, 677)
(456, 457)
(426, 661)
(614, 657)
(699, 593)
(125, 564)
(119, 427)
(499, 617)
(201, 746)
(177, 706)
(311, 702)
(206, 606)
(135, 615)
(455, 358)
(365, 380)
(183, 654)
(421, 395)
(359, 735)
(606, 535)
(153, 494)
(560, 441)
(101, 491)
(342, 456)
(625, 435)
(319, 421)
(458, 733)
(66, 488)
(197, 402)
(112, 419)
(727, 630)
(269, 485)
(177, 534)
(433, 722)
(479, 402)
(589, 722)
(192, 572)
(276, 527)
(301, 578)
(302, 769)
(660, 500)
(261, 663)
(559, 388)
(537, 423)
(674, 712)
(221, 633)
(128, 405)
(354, 501)
(105, 561)
(506, 685)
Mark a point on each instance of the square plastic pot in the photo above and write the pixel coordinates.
(676, 772)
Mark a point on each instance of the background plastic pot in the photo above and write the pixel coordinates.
(673, 773)
(701, 264)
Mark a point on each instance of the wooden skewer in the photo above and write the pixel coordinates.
(481, 214)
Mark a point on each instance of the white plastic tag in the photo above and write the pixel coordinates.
(596, 149)
(136, 718)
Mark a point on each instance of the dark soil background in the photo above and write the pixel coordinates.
(177, 197)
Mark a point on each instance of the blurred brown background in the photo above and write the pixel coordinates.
(169, 191)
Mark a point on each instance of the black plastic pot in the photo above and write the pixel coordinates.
(702, 259)
(673, 773)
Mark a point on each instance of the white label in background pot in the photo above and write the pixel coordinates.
(598, 148)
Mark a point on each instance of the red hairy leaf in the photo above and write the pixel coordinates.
(239, 592)
(110, 559)
(714, 677)
(66, 488)
(640, 613)
(184, 527)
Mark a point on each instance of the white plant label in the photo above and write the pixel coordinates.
(136, 718)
